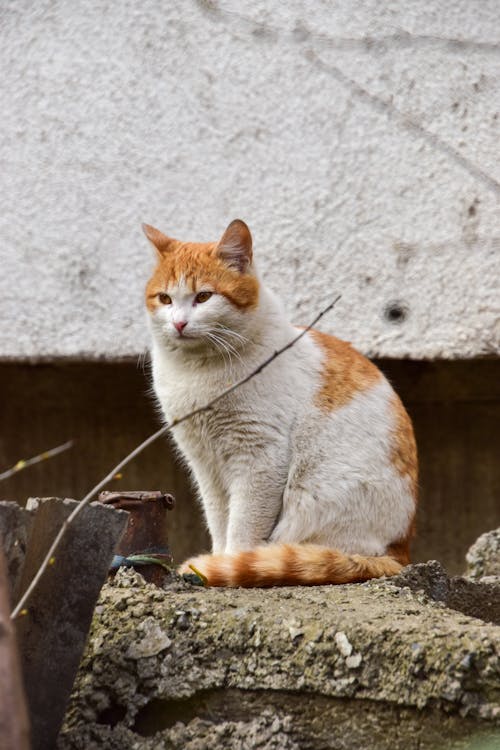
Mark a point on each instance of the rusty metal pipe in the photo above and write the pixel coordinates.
(147, 528)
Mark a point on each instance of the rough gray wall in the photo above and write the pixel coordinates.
(358, 140)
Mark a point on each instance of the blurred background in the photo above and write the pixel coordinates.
(360, 144)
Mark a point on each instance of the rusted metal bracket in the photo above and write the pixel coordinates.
(144, 545)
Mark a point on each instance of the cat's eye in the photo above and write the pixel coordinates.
(202, 296)
(165, 298)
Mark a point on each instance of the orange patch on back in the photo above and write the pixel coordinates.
(405, 461)
(404, 451)
(199, 264)
(345, 372)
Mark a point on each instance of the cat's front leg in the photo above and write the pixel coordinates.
(254, 506)
(215, 505)
(216, 517)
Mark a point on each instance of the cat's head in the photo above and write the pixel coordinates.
(202, 294)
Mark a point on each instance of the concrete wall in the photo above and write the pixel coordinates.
(358, 140)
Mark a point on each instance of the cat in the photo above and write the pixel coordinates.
(307, 473)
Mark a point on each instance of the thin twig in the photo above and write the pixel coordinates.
(23, 463)
(20, 606)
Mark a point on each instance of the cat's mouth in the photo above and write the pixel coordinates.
(185, 339)
(185, 336)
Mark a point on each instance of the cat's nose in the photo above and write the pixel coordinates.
(180, 325)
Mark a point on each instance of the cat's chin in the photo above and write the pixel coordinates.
(191, 344)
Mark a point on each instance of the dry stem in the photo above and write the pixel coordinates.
(23, 463)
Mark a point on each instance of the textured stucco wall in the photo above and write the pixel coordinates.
(360, 141)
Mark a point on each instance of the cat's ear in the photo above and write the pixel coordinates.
(235, 246)
(160, 241)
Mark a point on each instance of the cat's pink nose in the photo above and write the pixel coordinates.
(180, 325)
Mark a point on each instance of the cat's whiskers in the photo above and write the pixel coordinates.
(238, 343)
(219, 346)
(215, 333)
(229, 332)
(143, 360)
(230, 348)
(224, 347)
(231, 351)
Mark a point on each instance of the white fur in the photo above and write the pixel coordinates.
(269, 464)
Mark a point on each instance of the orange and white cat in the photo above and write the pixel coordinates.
(307, 473)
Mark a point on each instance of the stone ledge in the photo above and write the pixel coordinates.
(379, 641)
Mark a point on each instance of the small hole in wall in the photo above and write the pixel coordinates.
(396, 312)
(112, 715)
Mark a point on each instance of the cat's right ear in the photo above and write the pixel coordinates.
(161, 243)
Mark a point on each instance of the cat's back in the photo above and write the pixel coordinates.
(344, 373)
(361, 405)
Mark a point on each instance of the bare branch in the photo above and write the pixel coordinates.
(24, 463)
(49, 558)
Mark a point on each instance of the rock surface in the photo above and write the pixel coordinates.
(476, 598)
(483, 558)
(154, 656)
(284, 721)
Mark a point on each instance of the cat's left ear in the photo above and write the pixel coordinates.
(235, 246)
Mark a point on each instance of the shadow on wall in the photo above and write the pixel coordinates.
(107, 410)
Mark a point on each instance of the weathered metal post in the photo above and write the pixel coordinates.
(14, 722)
(53, 631)
(15, 529)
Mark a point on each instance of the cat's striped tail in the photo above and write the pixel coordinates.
(289, 565)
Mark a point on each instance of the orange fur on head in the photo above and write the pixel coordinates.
(224, 265)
